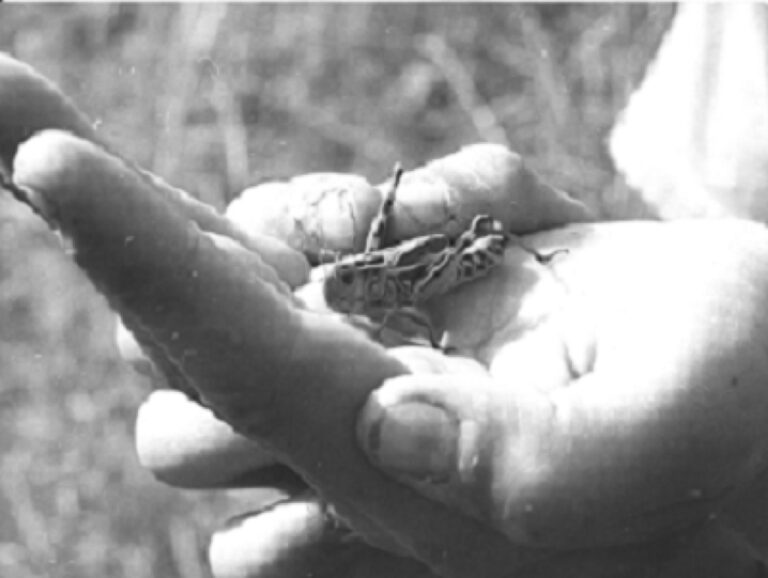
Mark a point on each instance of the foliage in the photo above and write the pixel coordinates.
(215, 98)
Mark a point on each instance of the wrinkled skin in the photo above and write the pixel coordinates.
(644, 411)
(605, 415)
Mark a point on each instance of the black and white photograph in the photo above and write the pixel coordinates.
(384, 290)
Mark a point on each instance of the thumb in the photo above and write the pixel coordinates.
(462, 440)
(441, 434)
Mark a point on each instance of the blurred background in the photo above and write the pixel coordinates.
(218, 97)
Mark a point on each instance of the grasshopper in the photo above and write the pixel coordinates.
(385, 281)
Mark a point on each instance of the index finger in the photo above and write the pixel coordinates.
(29, 102)
(213, 319)
(333, 211)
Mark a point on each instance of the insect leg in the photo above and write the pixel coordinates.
(476, 261)
(477, 251)
(417, 317)
(482, 226)
(485, 226)
(379, 232)
(541, 258)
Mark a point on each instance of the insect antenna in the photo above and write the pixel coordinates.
(378, 234)
(397, 174)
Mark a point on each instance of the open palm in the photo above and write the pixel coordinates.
(598, 414)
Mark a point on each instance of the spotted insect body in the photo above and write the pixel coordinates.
(386, 281)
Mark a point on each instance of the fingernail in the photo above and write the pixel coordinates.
(415, 439)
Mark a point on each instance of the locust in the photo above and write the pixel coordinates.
(386, 281)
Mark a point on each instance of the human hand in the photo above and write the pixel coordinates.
(196, 450)
(664, 351)
(619, 472)
(177, 452)
(681, 401)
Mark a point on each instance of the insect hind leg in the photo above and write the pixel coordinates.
(485, 254)
(482, 226)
